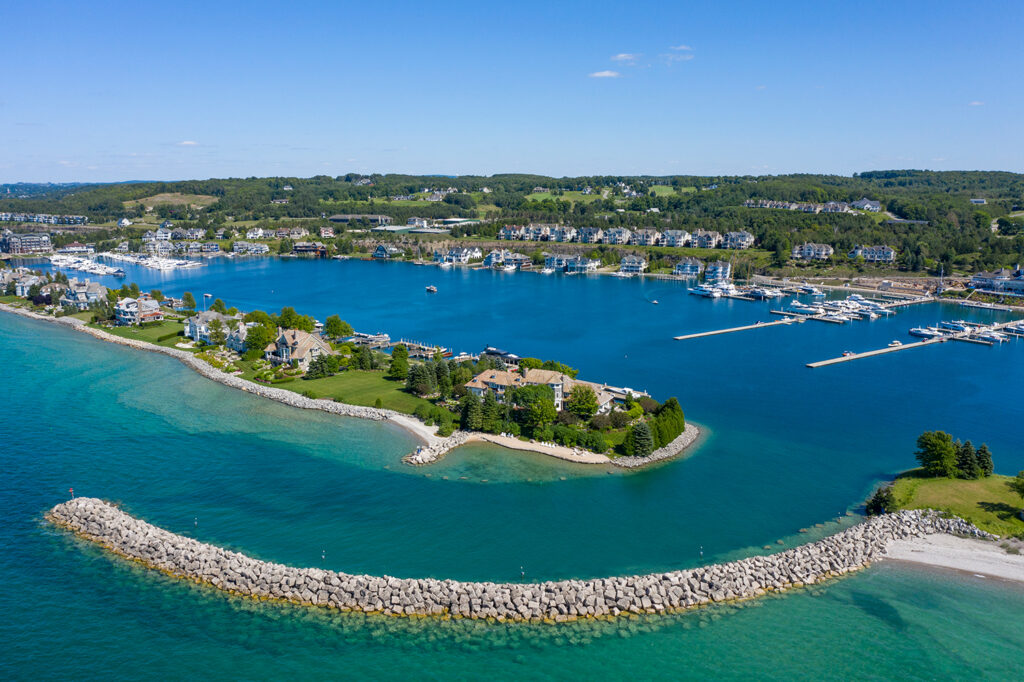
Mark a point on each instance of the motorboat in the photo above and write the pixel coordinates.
(655, 301)
(954, 326)
(925, 332)
(547, 271)
(810, 290)
(431, 289)
(706, 290)
(992, 335)
(895, 344)
(509, 268)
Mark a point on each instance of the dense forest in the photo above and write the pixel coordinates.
(949, 230)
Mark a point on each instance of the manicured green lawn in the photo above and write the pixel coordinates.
(11, 299)
(565, 196)
(987, 503)
(663, 190)
(149, 334)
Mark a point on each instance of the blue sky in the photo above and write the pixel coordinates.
(118, 91)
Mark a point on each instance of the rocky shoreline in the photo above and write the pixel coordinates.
(434, 448)
(553, 601)
(681, 442)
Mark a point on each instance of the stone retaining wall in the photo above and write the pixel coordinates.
(555, 601)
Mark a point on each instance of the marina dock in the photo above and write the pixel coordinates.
(759, 325)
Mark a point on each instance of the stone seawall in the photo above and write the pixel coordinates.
(553, 601)
(680, 443)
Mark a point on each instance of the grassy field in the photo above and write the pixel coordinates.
(572, 197)
(663, 190)
(173, 198)
(149, 334)
(988, 503)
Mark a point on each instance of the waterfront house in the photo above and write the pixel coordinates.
(866, 204)
(591, 235)
(580, 265)
(240, 247)
(210, 247)
(718, 272)
(197, 327)
(495, 380)
(25, 282)
(135, 311)
(255, 233)
(555, 261)
(738, 240)
(310, 248)
(675, 238)
(463, 255)
(499, 382)
(688, 267)
(874, 254)
(81, 294)
(706, 239)
(237, 333)
(617, 235)
(646, 237)
(810, 251)
(327, 232)
(632, 265)
(512, 233)
(295, 345)
(123, 247)
(386, 251)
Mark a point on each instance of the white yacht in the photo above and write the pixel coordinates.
(706, 290)
(810, 290)
(925, 332)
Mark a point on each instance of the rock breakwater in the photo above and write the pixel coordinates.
(552, 601)
(680, 443)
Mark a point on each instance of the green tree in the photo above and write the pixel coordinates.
(337, 328)
(472, 412)
(490, 413)
(157, 295)
(420, 380)
(582, 402)
(217, 333)
(936, 454)
(967, 461)
(285, 246)
(188, 300)
(985, 460)
(258, 337)
(319, 368)
(12, 288)
(399, 368)
(882, 502)
(219, 307)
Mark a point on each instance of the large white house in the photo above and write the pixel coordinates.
(135, 311)
(688, 267)
(718, 272)
(738, 240)
(675, 238)
(874, 254)
(706, 239)
(82, 294)
(294, 345)
(809, 251)
(632, 265)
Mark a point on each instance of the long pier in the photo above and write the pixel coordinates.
(966, 336)
(759, 325)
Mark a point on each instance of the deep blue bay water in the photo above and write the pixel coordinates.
(786, 448)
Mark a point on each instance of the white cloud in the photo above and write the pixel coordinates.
(975, 103)
(605, 74)
(676, 57)
(625, 57)
(188, 143)
(681, 47)
(761, 87)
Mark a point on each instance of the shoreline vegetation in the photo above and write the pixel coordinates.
(435, 446)
(891, 536)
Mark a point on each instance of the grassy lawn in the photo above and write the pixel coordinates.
(84, 316)
(355, 387)
(663, 190)
(149, 334)
(987, 503)
(569, 196)
(12, 300)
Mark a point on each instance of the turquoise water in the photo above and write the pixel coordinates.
(787, 447)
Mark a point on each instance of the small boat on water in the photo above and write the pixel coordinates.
(431, 289)
(954, 326)
(547, 271)
(810, 290)
(655, 301)
(992, 335)
(895, 344)
(509, 268)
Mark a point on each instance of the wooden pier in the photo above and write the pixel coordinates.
(759, 325)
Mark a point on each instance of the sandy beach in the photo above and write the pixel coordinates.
(972, 556)
(568, 454)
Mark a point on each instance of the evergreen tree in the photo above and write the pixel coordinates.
(399, 362)
(984, 457)
(639, 440)
(881, 502)
(490, 413)
(188, 300)
(967, 461)
(319, 368)
(472, 412)
(936, 454)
